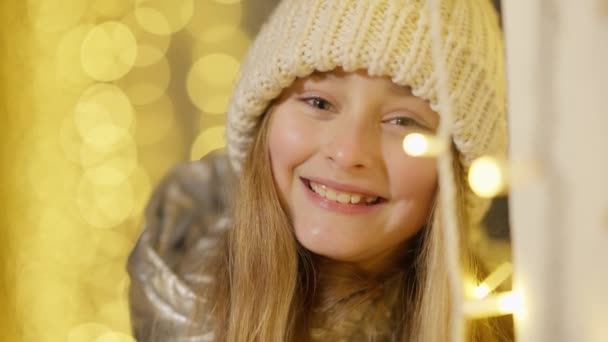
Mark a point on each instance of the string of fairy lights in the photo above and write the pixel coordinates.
(488, 177)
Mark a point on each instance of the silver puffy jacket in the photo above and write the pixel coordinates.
(185, 216)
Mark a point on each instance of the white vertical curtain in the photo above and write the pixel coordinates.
(557, 64)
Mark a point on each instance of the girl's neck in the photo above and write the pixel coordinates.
(338, 282)
(345, 298)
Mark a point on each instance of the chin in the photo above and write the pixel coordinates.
(325, 244)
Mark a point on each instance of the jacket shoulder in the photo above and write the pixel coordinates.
(185, 218)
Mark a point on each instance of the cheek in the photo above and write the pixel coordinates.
(291, 141)
(413, 183)
(415, 177)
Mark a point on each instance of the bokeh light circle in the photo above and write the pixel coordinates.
(55, 15)
(210, 139)
(163, 17)
(111, 8)
(422, 145)
(108, 51)
(104, 206)
(415, 144)
(144, 85)
(109, 155)
(151, 48)
(217, 70)
(487, 177)
(215, 103)
(105, 135)
(102, 104)
(211, 78)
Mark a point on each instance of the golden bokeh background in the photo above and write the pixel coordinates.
(98, 99)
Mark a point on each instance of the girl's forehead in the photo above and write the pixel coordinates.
(339, 75)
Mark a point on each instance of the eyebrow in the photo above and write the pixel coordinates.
(391, 86)
(400, 90)
(322, 75)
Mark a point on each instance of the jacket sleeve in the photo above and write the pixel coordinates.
(184, 218)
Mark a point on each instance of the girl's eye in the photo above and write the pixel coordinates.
(404, 121)
(318, 103)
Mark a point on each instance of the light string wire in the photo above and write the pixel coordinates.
(447, 193)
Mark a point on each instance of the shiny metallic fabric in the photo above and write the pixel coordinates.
(184, 219)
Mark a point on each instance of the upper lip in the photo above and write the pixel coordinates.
(342, 187)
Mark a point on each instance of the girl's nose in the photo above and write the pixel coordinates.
(351, 146)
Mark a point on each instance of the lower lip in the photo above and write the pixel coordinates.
(336, 206)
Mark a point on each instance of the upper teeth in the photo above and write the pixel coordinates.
(339, 196)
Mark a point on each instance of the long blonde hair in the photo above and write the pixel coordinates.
(266, 282)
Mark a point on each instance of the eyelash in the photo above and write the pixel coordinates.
(316, 101)
(407, 121)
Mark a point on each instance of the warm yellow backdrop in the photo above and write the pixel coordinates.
(98, 99)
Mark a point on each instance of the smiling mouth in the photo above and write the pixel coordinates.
(341, 197)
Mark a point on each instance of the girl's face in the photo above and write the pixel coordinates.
(351, 192)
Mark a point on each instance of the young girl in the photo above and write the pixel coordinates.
(333, 232)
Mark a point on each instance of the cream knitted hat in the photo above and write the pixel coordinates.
(386, 38)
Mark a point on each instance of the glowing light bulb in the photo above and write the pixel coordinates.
(421, 145)
(487, 177)
(415, 144)
(481, 290)
(511, 303)
(494, 305)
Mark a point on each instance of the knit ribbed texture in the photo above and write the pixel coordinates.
(386, 38)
